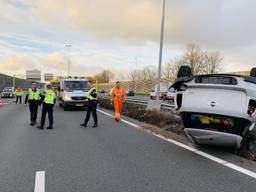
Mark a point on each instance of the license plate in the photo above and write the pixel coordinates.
(80, 105)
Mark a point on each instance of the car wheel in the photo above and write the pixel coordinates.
(253, 72)
(65, 108)
(184, 71)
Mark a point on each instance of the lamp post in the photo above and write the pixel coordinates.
(68, 58)
(160, 53)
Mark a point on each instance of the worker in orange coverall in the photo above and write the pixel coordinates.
(118, 96)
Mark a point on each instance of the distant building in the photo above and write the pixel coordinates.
(48, 76)
(33, 75)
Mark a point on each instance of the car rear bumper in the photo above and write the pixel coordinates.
(74, 103)
(169, 98)
(207, 137)
(7, 96)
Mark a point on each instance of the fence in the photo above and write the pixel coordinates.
(137, 86)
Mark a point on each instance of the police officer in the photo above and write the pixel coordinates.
(48, 99)
(18, 92)
(32, 98)
(91, 108)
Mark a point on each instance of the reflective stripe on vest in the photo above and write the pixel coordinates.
(89, 94)
(49, 97)
(33, 95)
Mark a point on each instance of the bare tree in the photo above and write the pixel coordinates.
(149, 73)
(213, 60)
(136, 75)
(171, 69)
(105, 76)
(194, 57)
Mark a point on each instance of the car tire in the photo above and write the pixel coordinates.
(253, 72)
(184, 71)
(65, 108)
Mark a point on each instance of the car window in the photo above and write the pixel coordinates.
(224, 80)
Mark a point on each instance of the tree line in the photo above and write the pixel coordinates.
(200, 61)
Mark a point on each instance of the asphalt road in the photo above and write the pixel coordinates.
(112, 158)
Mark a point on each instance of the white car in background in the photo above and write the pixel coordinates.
(216, 109)
(170, 96)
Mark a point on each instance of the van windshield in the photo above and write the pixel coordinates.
(76, 85)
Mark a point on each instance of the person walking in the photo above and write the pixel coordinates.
(118, 96)
(48, 98)
(32, 98)
(91, 108)
(19, 93)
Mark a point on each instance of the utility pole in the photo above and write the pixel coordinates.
(13, 81)
(160, 53)
(68, 57)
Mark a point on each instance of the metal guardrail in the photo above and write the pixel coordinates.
(144, 102)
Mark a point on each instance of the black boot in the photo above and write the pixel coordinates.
(95, 125)
(40, 127)
(83, 124)
(50, 127)
(32, 124)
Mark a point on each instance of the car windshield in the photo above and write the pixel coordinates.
(57, 84)
(7, 91)
(76, 85)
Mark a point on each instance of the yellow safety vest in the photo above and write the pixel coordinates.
(49, 97)
(33, 95)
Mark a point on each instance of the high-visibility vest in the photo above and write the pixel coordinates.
(90, 94)
(19, 92)
(33, 95)
(49, 97)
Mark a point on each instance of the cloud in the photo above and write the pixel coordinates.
(210, 23)
(111, 33)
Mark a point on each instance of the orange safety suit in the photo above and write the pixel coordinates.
(118, 96)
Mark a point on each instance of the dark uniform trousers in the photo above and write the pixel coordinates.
(47, 108)
(91, 108)
(18, 98)
(33, 107)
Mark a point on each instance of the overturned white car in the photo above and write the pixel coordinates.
(217, 109)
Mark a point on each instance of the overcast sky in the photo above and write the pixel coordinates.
(121, 35)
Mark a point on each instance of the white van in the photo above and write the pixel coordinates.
(73, 93)
(217, 109)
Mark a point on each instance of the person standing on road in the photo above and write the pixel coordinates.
(91, 108)
(19, 93)
(32, 98)
(48, 98)
(118, 96)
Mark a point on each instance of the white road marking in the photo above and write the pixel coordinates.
(40, 181)
(192, 149)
